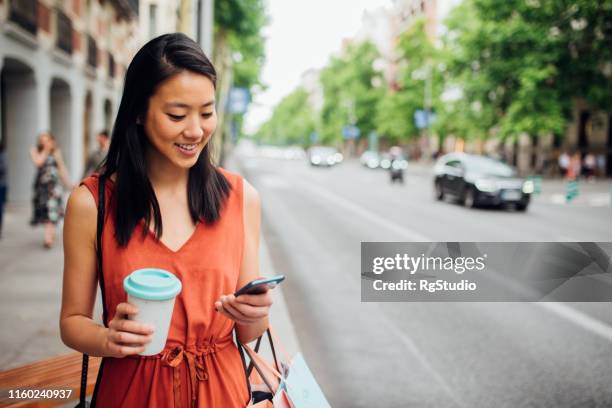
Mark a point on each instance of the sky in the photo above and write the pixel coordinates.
(302, 35)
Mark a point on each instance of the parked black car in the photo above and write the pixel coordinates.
(478, 180)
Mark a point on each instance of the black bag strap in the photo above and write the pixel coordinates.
(249, 369)
(256, 349)
(100, 226)
(241, 350)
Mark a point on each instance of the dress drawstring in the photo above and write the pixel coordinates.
(197, 367)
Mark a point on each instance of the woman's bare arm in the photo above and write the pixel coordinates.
(61, 166)
(250, 312)
(38, 157)
(78, 330)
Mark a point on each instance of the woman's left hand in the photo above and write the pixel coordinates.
(245, 309)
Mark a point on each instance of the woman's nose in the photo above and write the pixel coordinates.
(194, 128)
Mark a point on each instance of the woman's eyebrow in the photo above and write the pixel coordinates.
(184, 105)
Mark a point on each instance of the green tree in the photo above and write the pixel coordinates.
(418, 63)
(350, 92)
(238, 51)
(292, 121)
(524, 62)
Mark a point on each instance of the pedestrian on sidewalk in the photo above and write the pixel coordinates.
(169, 207)
(564, 164)
(589, 167)
(47, 203)
(95, 159)
(3, 183)
(575, 167)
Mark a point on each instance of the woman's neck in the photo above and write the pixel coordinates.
(165, 177)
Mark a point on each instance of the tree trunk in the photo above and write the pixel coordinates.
(223, 64)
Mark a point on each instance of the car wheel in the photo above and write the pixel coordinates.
(438, 192)
(521, 207)
(469, 198)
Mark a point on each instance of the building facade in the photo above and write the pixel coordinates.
(62, 64)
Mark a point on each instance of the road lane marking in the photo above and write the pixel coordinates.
(414, 350)
(581, 319)
(365, 213)
(563, 311)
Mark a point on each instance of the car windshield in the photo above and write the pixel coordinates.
(324, 151)
(491, 167)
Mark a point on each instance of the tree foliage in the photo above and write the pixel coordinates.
(350, 94)
(292, 121)
(418, 65)
(522, 64)
(238, 49)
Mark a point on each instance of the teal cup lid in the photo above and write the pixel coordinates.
(152, 284)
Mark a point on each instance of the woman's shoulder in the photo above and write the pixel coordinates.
(81, 203)
(245, 189)
(231, 177)
(91, 183)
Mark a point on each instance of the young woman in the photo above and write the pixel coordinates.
(168, 207)
(47, 203)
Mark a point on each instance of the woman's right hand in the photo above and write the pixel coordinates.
(126, 337)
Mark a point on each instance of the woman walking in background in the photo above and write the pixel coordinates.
(47, 203)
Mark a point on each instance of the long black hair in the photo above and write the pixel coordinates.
(133, 198)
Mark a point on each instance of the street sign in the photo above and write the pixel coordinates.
(422, 120)
(238, 100)
(350, 132)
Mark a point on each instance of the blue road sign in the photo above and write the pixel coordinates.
(421, 119)
(350, 132)
(238, 100)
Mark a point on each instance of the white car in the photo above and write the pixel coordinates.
(324, 156)
(370, 159)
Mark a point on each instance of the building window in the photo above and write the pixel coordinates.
(111, 65)
(152, 20)
(23, 13)
(64, 32)
(92, 51)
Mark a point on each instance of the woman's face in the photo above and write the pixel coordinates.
(45, 140)
(181, 118)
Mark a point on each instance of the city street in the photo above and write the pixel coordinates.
(427, 354)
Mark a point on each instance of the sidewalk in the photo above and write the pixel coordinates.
(31, 290)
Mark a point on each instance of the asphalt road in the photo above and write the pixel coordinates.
(426, 354)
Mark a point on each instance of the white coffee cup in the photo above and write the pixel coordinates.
(153, 292)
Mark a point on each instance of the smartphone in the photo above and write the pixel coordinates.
(258, 286)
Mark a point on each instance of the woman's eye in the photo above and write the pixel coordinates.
(176, 117)
(207, 115)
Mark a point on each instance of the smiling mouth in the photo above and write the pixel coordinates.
(187, 147)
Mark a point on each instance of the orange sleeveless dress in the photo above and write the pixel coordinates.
(200, 365)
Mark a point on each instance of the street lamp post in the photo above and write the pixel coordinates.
(203, 24)
(427, 99)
